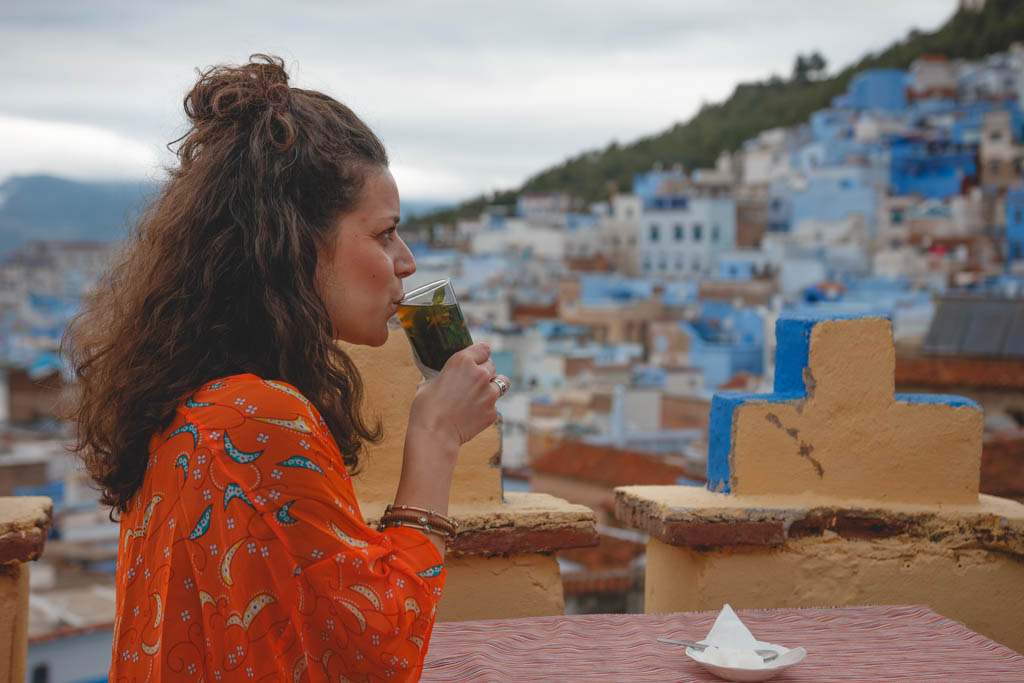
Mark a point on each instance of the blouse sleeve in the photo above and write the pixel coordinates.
(360, 600)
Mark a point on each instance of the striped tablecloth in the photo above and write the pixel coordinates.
(877, 643)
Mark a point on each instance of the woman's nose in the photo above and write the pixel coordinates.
(405, 264)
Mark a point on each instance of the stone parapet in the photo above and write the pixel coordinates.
(834, 425)
(834, 490)
(524, 523)
(689, 516)
(24, 524)
(500, 564)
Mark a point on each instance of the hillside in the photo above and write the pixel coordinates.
(754, 107)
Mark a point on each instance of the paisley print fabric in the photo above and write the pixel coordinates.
(244, 555)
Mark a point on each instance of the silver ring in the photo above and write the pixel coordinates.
(502, 386)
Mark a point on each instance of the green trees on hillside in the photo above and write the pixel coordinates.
(758, 106)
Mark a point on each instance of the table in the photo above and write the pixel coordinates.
(875, 643)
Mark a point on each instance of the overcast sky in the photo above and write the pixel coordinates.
(467, 96)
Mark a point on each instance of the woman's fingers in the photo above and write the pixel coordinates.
(478, 352)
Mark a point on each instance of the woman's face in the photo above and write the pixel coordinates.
(360, 274)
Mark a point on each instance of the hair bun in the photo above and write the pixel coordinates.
(236, 93)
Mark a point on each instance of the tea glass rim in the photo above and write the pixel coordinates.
(436, 284)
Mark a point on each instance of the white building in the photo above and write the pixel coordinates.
(768, 156)
(682, 236)
(516, 235)
(619, 229)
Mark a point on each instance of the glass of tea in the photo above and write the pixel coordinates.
(433, 322)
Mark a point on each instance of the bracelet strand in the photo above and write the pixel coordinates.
(429, 513)
(420, 519)
(422, 527)
(421, 515)
(390, 520)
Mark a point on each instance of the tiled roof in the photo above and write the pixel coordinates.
(741, 381)
(977, 326)
(605, 465)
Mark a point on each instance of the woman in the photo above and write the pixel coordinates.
(221, 420)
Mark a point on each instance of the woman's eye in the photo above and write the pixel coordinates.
(388, 234)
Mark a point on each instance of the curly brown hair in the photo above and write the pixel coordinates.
(219, 277)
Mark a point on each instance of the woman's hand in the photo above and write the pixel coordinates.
(459, 403)
(446, 412)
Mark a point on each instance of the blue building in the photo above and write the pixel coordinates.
(835, 193)
(883, 89)
(724, 341)
(1014, 225)
(933, 170)
(831, 124)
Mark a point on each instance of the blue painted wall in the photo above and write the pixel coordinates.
(793, 343)
(878, 89)
(833, 196)
(934, 171)
(1015, 224)
(831, 124)
(724, 342)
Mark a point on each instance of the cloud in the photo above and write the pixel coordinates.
(466, 93)
(73, 150)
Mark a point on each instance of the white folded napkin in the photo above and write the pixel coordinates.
(732, 644)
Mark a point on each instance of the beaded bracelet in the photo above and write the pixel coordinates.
(423, 520)
(425, 528)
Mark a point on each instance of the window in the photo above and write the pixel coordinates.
(662, 264)
(714, 233)
(697, 232)
(647, 265)
(41, 673)
(695, 265)
(679, 232)
(993, 166)
(654, 233)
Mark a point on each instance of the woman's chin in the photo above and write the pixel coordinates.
(374, 339)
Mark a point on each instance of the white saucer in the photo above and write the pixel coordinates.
(786, 659)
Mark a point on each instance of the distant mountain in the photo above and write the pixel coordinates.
(45, 207)
(752, 108)
(48, 208)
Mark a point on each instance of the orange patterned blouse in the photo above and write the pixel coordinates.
(244, 556)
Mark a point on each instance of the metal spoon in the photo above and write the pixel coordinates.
(768, 655)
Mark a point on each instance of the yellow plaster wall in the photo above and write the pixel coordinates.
(527, 585)
(850, 438)
(982, 589)
(390, 379)
(13, 621)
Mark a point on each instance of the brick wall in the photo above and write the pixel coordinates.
(1002, 465)
(947, 372)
